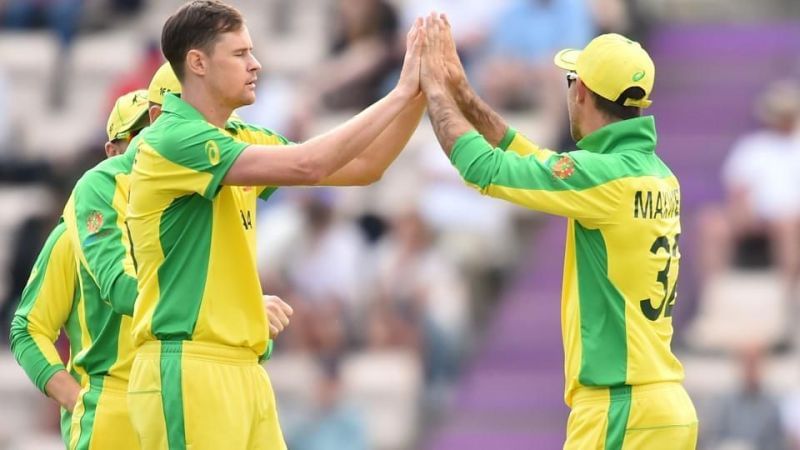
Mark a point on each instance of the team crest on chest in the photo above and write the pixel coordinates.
(564, 168)
(212, 150)
(94, 221)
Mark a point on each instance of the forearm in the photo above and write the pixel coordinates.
(332, 150)
(369, 166)
(64, 389)
(447, 120)
(37, 357)
(487, 121)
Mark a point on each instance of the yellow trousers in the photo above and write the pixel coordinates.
(194, 395)
(100, 419)
(657, 416)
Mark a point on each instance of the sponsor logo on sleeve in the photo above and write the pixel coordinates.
(212, 149)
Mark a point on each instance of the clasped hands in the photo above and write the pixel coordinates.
(431, 63)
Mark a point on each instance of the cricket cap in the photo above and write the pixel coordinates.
(129, 114)
(164, 81)
(609, 65)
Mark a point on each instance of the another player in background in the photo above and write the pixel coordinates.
(623, 382)
(53, 298)
(198, 320)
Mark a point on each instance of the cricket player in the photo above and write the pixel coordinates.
(54, 299)
(622, 202)
(95, 220)
(198, 322)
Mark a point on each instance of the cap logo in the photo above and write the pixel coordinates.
(212, 149)
(638, 76)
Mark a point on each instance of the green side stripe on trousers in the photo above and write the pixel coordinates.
(172, 394)
(90, 401)
(618, 412)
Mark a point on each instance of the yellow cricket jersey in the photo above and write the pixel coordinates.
(48, 304)
(95, 219)
(193, 238)
(622, 257)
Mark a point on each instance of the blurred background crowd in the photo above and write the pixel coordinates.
(427, 316)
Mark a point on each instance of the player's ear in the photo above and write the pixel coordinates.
(111, 149)
(196, 62)
(154, 112)
(581, 91)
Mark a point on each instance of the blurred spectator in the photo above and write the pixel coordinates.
(760, 220)
(518, 71)
(335, 424)
(325, 262)
(471, 21)
(5, 116)
(423, 294)
(749, 419)
(63, 17)
(364, 52)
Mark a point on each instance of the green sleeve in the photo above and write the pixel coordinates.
(507, 138)
(44, 307)
(577, 185)
(202, 148)
(104, 241)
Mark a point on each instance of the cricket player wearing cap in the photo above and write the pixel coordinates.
(622, 202)
(199, 321)
(54, 299)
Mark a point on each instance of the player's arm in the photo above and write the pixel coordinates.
(572, 186)
(369, 166)
(480, 115)
(44, 307)
(94, 218)
(316, 160)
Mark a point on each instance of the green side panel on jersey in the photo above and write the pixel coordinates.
(182, 275)
(103, 325)
(604, 354)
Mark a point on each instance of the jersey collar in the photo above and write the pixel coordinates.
(175, 105)
(638, 134)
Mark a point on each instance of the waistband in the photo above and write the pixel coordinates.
(199, 350)
(108, 384)
(605, 394)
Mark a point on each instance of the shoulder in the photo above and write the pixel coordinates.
(254, 134)
(98, 177)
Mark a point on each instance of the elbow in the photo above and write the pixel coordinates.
(369, 178)
(18, 332)
(311, 172)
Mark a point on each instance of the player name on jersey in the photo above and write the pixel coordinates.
(657, 204)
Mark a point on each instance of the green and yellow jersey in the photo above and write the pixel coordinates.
(49, 303)
(95, 220)
(622, 256)
(193, 238)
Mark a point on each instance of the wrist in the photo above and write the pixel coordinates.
(405, 93)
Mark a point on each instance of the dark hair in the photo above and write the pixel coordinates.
(617, 109)
(196, 25)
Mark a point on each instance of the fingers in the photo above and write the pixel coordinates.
(288, 310)
(278, 313)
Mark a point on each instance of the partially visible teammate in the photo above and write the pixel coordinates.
(53, 299)
(623, 382)
(198, 319)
